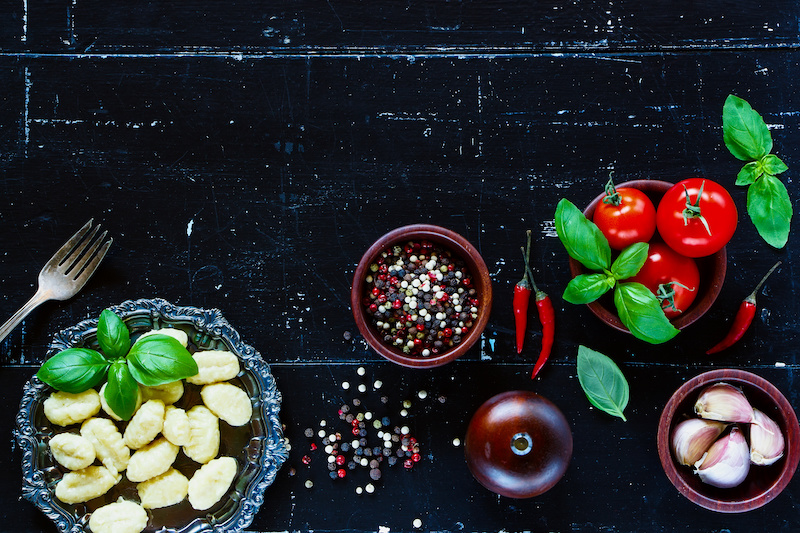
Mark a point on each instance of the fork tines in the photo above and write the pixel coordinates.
(83, 251)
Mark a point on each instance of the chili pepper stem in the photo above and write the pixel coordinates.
(752, 296)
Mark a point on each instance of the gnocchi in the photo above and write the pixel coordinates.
(85, 484)
(145, 424)
(228, 402)
(64, 408)
(152, 460)
(177, 428)
(210, 483)
(177, 334)
(168, 393)
(164, 490)
(72, 451)
(107, 442)
(107, 408)
(121, 516)
(204, 429)
(214, 366)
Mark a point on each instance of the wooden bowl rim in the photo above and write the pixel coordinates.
(788, 420)
(718, 265)
(449, 240)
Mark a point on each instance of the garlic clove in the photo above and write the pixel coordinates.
(692, 438)
(766, 440)
(725, 403)
(727, 462)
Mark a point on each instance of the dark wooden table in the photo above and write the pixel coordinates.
(245, 154)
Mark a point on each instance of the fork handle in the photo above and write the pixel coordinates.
(37, 299)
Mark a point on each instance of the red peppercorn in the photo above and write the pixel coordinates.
(373, 308)
(340, 460)
(420, 327)
(408, 463)
(448, 332)
(416, 457)
(409, 248)
(382, 299)
(417, 342)
(464, 330)
(313, 446)
(451, 267)
(356, 431)
(445, 297)
(375, 291)
(397, 304)
(341, 473)
(306, 460)
(466, 282)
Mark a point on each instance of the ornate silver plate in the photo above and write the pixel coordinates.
(258, 447)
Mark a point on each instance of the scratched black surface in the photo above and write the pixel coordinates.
(245, 155)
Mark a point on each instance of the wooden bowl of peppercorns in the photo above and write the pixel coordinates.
(421, 296)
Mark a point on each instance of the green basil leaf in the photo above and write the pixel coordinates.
(745, 133)
(630, 260)
(587, 288)
(641, 312)
(73, 370)
(770, 209)
(749, 173)
(121, 391)
(772, 164)
(603, 382)
(582, 238)
(158, 359)
(113, 336)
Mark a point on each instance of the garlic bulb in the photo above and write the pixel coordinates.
(727, 462)
(725, 403)
(692, 438)
(766, 440)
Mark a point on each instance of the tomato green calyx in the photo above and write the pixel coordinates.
(693, 209)
(612, 196)
(666, 295)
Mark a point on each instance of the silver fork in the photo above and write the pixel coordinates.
(66, 273)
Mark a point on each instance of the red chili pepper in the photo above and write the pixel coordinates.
(522, 296)
(744, 317)
(544, 307)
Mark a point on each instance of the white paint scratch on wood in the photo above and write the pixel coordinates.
(189, 227)
(26, 121)
(24, 36)
(549, 228)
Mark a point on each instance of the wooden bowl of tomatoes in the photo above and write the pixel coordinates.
(678, 257)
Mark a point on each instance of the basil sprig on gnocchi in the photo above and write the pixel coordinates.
(152, 360)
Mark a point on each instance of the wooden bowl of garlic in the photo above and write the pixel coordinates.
(729, 441)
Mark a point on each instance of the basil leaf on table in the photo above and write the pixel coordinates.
(113, 335)
(749, 173)
(158, 359)
(74, 370)
(630, 260)
(772, 164)
(745, 133)
(770, 209)
(603, 382)
(122, 391)
(586, 288)
(641, 312)
(582, 238)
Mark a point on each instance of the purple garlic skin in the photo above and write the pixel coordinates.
(727, 462)
(693, 437)
(766, 440)
(725, 403)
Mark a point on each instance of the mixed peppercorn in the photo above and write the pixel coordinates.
(421, 298)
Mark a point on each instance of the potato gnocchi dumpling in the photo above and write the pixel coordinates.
(107, 442)
(228, 402)
(214, 366)
(164, 490)
(85, 484)
(72, 451)
(210, 483)
(177, 428)
(64, 408)
(145, 424)
(177, 334)
(152, 460)
(121, 516)
(204, 442)
(168, 393)
(107, 408)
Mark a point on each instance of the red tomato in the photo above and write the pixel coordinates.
(665, 265)
(632, 221)
(684, 230)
